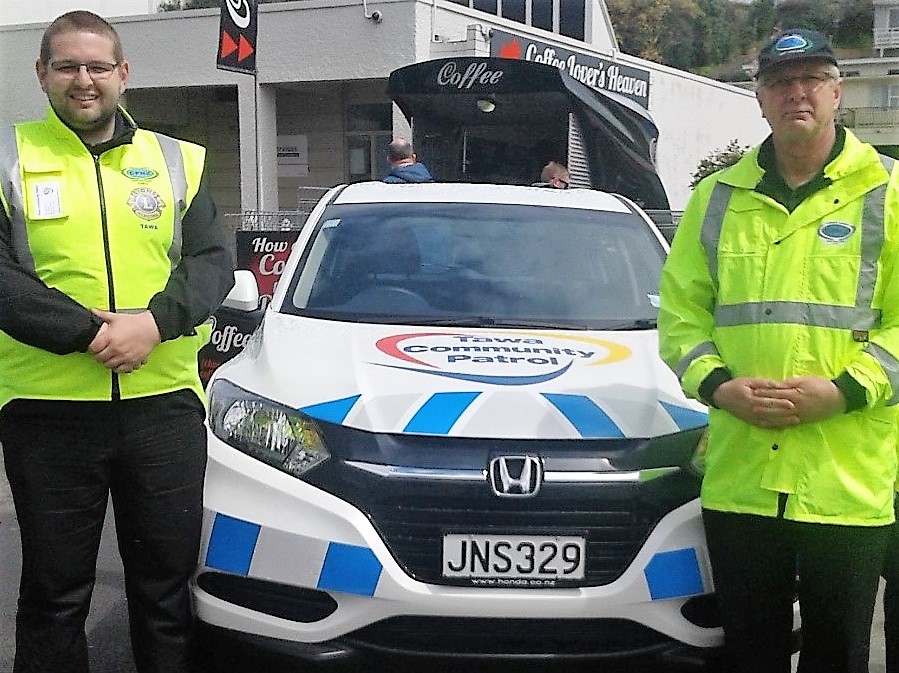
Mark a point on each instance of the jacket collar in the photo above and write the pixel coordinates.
(125, 127)
(854, 155)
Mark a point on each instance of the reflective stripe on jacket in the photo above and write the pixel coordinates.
(105, 231)
(768, 293)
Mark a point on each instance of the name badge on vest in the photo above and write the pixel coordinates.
(47, 201)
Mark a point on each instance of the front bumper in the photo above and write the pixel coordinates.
(295, 569)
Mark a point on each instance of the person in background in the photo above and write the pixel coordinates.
(404, 166)
(780, 311)
(111, 258)
(555, 175)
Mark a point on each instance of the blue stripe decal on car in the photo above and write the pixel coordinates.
(686, 419)
(584, 414)
(674, 574)
(439, 413)
(332, 412)
(350, 569)
(231, 544)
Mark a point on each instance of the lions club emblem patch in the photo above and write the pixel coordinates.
(146, 203)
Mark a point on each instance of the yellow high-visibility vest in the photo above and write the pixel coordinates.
(106, 232)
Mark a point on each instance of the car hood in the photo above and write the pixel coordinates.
(486, 383)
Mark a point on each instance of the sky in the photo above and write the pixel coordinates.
(31, 11)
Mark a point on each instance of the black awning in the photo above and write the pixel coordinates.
(619, 135)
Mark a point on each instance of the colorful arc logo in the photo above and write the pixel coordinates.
(500, 358)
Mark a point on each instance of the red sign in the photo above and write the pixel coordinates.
(237, 36)
(264, 253)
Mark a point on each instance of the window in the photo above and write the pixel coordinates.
(366, 155)
(542, 14)
(399, 261)
(514, 10)
(571, 18)
(566, 17)
(885, 96)
(370, 126)
(489, 6)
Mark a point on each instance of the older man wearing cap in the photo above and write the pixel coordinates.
(780, 311)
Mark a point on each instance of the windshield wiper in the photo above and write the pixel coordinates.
(637, 324)
(487, 321)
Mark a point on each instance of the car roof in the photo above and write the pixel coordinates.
(460, 192)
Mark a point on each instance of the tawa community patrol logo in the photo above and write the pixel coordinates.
(500, 358)
(146, 203)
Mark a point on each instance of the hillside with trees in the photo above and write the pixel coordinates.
(716, 37)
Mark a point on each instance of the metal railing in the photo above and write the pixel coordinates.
(886, 38)
(860, 117)
(256, 220)
(274, 220)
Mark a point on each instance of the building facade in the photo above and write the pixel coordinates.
(317, 113)
(870, 105)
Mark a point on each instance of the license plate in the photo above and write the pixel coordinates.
(513, 557)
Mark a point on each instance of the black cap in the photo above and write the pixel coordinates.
(795, 44)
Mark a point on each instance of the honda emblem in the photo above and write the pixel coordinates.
(515, 476)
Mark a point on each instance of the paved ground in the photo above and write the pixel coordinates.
(107, 630)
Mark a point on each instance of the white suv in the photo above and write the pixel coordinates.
(451, 435)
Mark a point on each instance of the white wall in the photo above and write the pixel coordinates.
(44, 11)
(696, 117)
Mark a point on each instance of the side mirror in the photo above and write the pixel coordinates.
(244, 296)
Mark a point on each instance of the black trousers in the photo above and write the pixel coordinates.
(891, 601)
(63, 461)
(760, 563)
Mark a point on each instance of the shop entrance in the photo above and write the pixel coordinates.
(480, 119)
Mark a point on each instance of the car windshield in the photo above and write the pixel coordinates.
(472, 264)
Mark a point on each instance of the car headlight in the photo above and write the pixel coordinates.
(684, 450)
(273, 433)
(697, 460)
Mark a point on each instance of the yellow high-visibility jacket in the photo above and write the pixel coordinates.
(106, 232)
(764, 292)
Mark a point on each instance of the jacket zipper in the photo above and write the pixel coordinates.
(116, 392)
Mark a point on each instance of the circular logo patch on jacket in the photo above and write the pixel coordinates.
(141, 174)
(835, 232)
(146, 203)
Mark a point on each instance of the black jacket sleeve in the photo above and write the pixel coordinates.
(35, 314)
(202, 278)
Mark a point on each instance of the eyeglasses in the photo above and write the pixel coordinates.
(95, 69)
(810, 82)
(563, 184)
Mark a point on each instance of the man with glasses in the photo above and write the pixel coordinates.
(111, 258)
(780, 311)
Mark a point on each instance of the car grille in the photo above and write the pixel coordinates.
(615, 519)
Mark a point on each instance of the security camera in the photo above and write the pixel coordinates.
(376, 16)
